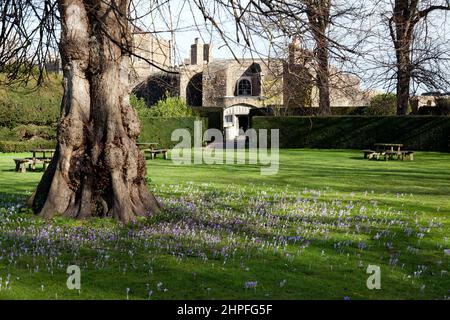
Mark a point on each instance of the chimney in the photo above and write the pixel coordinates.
(197, 52)
(295, 50)
(207, 51)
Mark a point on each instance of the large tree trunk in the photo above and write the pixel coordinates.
(403, 84)
(318, 13)
(97, 169)
(404, 19)
(323, 78)
(406, 15)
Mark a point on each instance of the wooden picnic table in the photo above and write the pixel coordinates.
(146, 145)
(388, 151)
(389, 146)
(151, 147)
(22, 163)
(43, 151)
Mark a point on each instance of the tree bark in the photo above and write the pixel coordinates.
(403, 18)
(403, 84)
(97, 169)
(323, 78)
(318, 13)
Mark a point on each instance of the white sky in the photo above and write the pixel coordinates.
(188, 22)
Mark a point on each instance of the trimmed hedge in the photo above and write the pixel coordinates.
(313, 111)
(359, 132)
(24, 146)
(26, 137)
(159, 130)
(26, 132)
(27, 104)
(154, 129)
(12, 114)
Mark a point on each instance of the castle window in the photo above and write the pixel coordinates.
(229, 119)
(244, 88)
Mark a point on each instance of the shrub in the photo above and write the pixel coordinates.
(382, 105)
(171, 107)
(26, 137)
(348, 111)
(140, 105)
(428, 111)
(7, 134)
(443, 106)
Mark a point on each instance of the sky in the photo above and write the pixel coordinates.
(188, 23)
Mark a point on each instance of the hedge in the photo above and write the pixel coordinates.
(359, 132)
(12, 114)
(26, 132)
(26, 137)
(309, 111)
(27, 104)
(156, 129)
(153, 130)
(25, 146)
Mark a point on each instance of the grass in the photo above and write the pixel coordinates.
(308, 232)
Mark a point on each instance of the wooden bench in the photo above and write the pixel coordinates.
(154, 152)
(22, 163)
(401, 155)
(389, 155)
(369, 154)
(43, 161)
(46, 162)
(407, 154)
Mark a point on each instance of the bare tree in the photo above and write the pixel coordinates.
(318, 12)
(328, 35)
(406, 17)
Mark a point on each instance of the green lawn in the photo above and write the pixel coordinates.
(308, 232)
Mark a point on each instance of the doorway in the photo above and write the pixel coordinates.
(234, 118)
(243, 122)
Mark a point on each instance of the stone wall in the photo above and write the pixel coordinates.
(220, 80)
(153, 49)
(214, 86)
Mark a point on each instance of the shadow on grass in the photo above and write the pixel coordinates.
(358, 158)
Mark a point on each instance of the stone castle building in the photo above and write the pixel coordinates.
(147, 47)
(234, 90)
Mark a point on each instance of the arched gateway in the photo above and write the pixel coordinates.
(235, 118)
